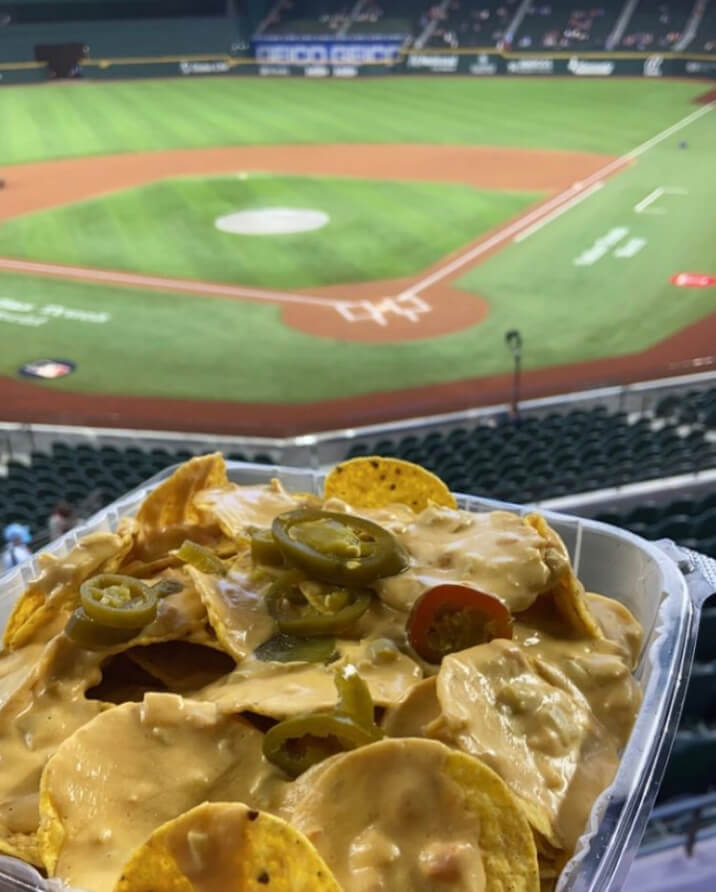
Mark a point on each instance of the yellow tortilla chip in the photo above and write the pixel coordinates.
(24, 846)
(237, 507)
(374, 482)
(43, 609)
(159, 758)
(434, 812)
(169, 514)
(227, 846)
(568, 593)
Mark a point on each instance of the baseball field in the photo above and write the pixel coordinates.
(280, 256)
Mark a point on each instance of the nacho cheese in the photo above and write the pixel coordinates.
(409, 695)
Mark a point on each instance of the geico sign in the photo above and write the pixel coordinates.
(325, 54)
(581, 67)
(434, 63)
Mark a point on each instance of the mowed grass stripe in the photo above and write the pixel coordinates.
(377, 229)
(598, 116)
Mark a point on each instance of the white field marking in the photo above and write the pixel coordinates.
(509, 231)
(643, 206)
(601, 246)
(630, 248)
(139, 281)
(410, 308)
(535, 227)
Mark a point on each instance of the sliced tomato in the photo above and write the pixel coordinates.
(451, 617)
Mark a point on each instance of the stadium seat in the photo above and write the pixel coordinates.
(705, 525)
(706, 642)
(700, 701)
(691, 767)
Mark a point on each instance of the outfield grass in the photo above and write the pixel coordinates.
(616, 304)
(377, 229)
(88, 118)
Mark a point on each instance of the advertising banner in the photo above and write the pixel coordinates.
(326, 53)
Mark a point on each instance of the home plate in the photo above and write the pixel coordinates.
(272, 221)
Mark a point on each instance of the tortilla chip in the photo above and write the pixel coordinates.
(24, 846)
(374, 482)
(237, 616)
(169, 514)
(43, 609)
(226, 845)
(160, 758)
(507, 709)
(237, 507)
(46, 705)
(568, 592)
(506, 841)
(458, 810)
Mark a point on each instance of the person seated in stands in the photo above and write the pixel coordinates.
(60, 520)
(17, 537)
(524, 42)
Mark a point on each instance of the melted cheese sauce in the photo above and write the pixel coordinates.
(174, 754)
(389, 817)
(496, 552)
(525, 719)
(548, 711)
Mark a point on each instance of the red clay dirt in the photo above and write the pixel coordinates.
(36, 186)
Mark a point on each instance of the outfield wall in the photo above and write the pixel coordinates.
(167, 44)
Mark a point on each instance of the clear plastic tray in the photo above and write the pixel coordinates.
(658, 583)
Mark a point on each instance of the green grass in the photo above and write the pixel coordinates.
(377, 229)
(70, 120)
(570, 312)
(179, 346)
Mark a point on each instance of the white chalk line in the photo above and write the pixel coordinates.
(535, 227)
(516, 227)
(643, 206)
(138, 280)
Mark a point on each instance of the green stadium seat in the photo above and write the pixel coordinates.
(706, 642)
(700, 703)
(677, 527)
(691, 767)
(705, 525)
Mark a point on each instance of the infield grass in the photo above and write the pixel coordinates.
(377, 229)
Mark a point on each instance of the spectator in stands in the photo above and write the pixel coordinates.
(17, 536)
(60, 520)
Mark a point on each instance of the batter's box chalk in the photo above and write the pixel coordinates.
(407, 306)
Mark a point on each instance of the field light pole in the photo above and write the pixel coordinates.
(513, 339)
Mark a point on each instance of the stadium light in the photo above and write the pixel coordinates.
(513, 339)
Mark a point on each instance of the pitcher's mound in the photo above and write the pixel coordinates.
(272, 221)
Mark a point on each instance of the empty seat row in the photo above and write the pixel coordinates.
(84, 476)
(559, 454)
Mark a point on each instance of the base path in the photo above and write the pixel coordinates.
(423, 306)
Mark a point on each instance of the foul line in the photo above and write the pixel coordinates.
(139, 281)
(526, 233)
(565, 196)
